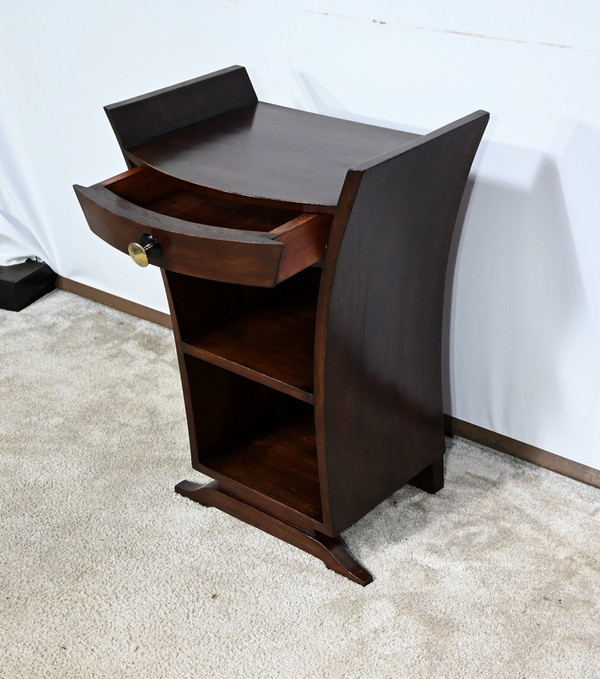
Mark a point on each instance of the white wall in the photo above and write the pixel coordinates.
(524, 326)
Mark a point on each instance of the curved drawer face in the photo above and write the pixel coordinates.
(203, 235)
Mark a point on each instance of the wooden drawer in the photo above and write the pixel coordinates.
(201, 233)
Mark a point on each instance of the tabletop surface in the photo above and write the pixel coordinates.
(270, 152)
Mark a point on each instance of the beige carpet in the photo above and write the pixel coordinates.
(106, 572)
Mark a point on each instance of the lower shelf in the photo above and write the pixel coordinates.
(279, 464)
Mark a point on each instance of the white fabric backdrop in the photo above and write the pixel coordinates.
(524, 290)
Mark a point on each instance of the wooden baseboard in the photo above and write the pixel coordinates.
(524, 451)
(491, 439)
(114, 302)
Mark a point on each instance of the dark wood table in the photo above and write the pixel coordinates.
(304, 259)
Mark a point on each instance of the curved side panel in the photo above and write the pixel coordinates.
(378, 391)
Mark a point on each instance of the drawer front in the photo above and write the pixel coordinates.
(216, 253)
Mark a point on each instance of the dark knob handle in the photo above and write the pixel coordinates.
(139, 252)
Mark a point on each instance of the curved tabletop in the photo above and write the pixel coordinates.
(269, 152)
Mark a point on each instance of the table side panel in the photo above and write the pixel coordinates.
(378, 390)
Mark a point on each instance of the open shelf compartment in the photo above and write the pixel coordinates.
(271, 342)
(257, 442)
(278, 464)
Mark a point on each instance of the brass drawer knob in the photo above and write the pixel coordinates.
(140, 252)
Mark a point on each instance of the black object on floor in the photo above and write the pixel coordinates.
(23, 284)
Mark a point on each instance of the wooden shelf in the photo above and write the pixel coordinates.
(280, 464)
(272, 343)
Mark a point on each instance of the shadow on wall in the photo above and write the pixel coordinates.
(324, 103)
(515, 300)
(514, 293)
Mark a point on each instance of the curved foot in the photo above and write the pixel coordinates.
(331, 551)
(336, 556)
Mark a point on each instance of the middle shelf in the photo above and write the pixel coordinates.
(271, 343)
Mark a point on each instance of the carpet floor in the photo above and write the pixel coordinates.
(106, 572)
